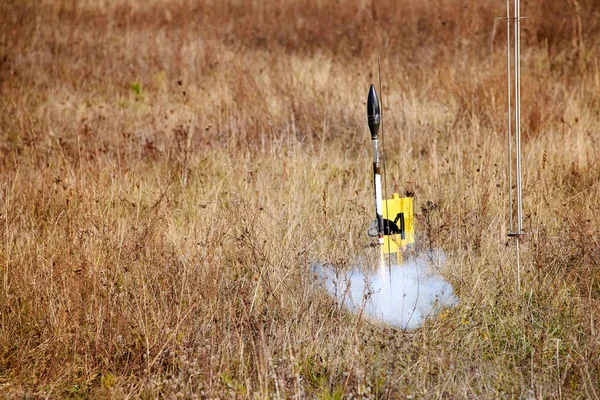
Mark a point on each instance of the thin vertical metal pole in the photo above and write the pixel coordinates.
(518, 112)
(509, 120)
(517, 40)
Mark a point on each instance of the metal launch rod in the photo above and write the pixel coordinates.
(387, 210)
(515, 39)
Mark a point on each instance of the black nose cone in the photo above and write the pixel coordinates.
(373, 113)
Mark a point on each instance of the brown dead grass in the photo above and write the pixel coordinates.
(169, 169)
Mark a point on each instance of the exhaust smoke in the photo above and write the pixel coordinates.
(402, 296)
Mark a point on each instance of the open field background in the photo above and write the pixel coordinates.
(169, 169)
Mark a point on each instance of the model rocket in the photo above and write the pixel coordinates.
(394, 221)
(374, 118)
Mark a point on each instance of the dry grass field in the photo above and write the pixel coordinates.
(169, 169)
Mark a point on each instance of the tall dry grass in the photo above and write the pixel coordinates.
(169, 170)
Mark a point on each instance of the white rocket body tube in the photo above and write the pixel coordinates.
(378, 192)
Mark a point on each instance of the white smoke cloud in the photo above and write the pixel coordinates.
(401, 295)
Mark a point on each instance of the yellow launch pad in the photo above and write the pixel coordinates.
(399, 219)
